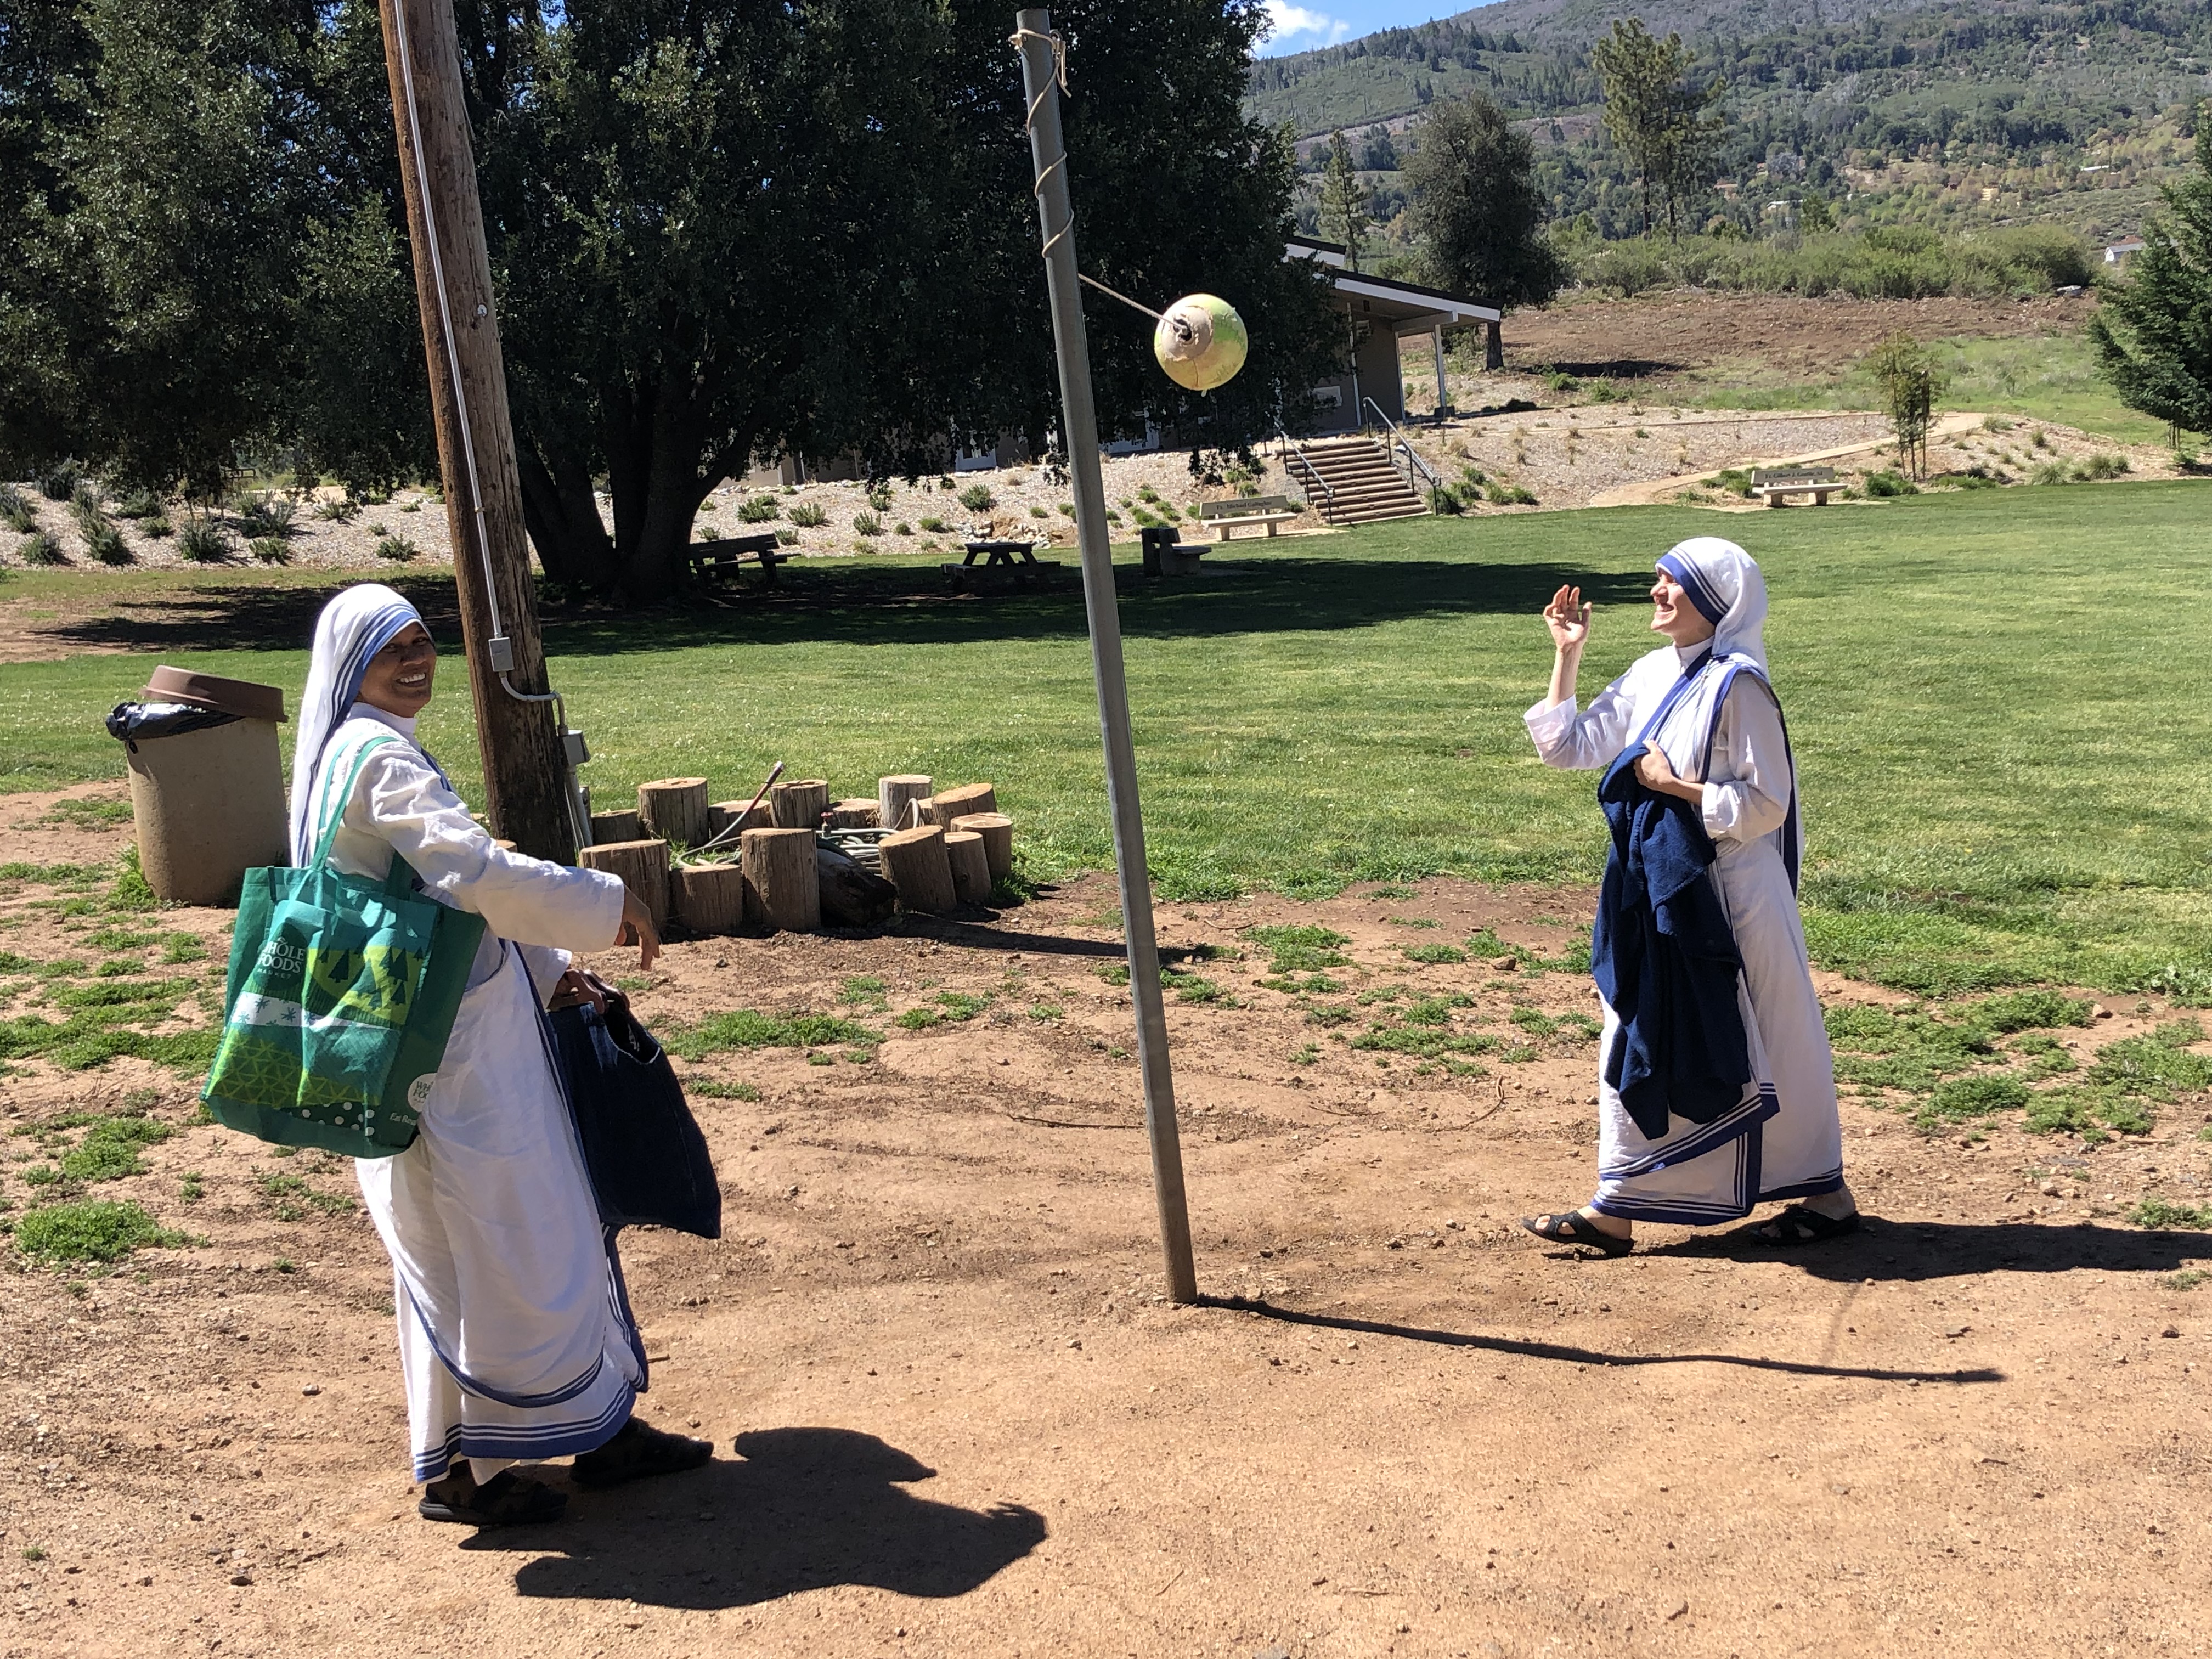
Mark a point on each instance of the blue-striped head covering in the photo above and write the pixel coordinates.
(353, 627)
(1722, 582)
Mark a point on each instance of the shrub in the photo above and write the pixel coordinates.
(936, 527)
(270, 549)
(15, 510)
(398, 548)
(1888, 484)
(810, 515)
(203, 542)
(1444, 499)
(340, 511)
(786, 538)
(2052, 473)
(879, 497)
(2098, 468)
(977, 498)
(1504, 495)
(91, 1230)
(266, 514)
(1561, 381)
(39, 548)
(156, 524)
(1735, 479)
(1040, 512)
(1067, 508)
(759, 510)
(104, 543)
(58, 482)
(139, 504)
(902, 528)
(867, 524)
(84, 502)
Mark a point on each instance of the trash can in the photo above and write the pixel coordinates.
(206, 783)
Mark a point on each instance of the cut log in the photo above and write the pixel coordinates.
(855, 815)
(614, 826)
(643, 867)
(996, 830)
(709, 898)
(915, 863)
(728, 818)
(799, 805)
(895, 798)
(674, 809)
(781, 880)
(947, 805)
(850, 894)
(971, 865)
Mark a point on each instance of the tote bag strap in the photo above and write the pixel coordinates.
(399, 878)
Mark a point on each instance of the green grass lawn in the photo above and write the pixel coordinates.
(2039, 377)
(1993, 696)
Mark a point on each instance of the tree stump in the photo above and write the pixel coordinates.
(643, 867)
(996, 830)
(799, 805)
(674, 809)
(614, 826)
(916, 863)
(781, 878)
(894, 795)
(728, 818)
(855, 815)
(849, 893)
(709, 898)
(947, 805)
(971, 865)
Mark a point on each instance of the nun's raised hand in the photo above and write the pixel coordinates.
(1568, 618)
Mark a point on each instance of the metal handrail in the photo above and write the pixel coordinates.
(1292, 450)
(1399, 439)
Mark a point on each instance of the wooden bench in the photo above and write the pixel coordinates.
(1773, 484)
(720, 560)
(1221, 516)
(1004, 565)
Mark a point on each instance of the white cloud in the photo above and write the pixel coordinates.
(1287, 21)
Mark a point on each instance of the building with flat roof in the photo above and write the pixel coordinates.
(1380, 313)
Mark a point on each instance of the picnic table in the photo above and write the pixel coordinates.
(1003, 564)
(1221, 516)
(1772, 484)
(719, 560)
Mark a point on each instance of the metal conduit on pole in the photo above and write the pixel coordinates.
(1043, 73)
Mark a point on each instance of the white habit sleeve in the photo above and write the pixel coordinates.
(1582, 742)
(1750, 764)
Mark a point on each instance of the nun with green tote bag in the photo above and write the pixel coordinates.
(515, 1334)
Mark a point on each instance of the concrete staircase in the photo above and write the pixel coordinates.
(1351, 481)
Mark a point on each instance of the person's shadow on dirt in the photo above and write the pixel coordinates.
(798, 1510)
(1882, 1250)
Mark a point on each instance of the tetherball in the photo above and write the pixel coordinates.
(1200, 342)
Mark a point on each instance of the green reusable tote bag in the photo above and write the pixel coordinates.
(341, 995)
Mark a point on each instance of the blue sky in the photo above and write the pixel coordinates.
(1302, 25)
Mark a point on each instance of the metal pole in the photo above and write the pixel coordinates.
(1040, 77)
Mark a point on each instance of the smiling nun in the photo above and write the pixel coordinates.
(515, 1334)
(1717, 1089)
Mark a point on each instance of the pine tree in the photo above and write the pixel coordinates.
(1343, 200)
(1670, 130)
(2153, 332)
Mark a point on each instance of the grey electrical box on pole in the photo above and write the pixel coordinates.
(1042, 77)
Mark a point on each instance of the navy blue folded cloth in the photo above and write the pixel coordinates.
(643, 1148)
(1665, 960)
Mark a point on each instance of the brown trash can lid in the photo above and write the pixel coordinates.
(240, 697)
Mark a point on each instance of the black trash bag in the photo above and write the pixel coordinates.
(130, 721)
(643, 1148)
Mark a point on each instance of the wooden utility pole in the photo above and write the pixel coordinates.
(1042, 73)
(524, 769)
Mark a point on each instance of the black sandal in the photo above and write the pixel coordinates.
(1576, 1228)
(1799, 1226)
(507, 1499)
(638, 1452)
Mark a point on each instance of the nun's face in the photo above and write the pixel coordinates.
(399, 676)
(1672, 614)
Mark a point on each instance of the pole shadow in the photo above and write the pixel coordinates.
(1571, 1354)
(800, 1509)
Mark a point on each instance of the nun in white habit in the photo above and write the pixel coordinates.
(515, 1334)
(1703, 711)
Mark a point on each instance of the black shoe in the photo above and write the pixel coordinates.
(638, 1452)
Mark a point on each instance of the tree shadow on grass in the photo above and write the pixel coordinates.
(905, 606)
(800, 1509)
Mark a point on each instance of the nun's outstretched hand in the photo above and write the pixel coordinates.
(637, 929)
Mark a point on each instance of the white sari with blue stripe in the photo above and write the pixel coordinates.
(1724, 730)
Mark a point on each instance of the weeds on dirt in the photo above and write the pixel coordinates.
(2158, 1213)
(1432, 953)
(863, 991)
(2157, 1066)
(713, 1088)
(949, 1008)
(1301, 949)
(290, 1197)
(82, 814)
(91, 1230)
(745, 1028)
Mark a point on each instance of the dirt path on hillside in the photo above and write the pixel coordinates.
(954, 1417)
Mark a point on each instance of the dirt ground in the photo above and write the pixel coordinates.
(954, 1416)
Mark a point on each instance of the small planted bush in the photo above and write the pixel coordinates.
(39, 548)
(786, 537)
(156, 524)
(2098, 468)
(396, 548)
(1505, 495)
(58, 482)
(340, 511)
(867, 524)
(902, 528)
(270, 549)
(139, 504)
(104, 543)
(15, 511)
(203, 542)
(760, 509)
(808, 515)
(936, 527)
(977, 498)
(267, 515)
(879, 497)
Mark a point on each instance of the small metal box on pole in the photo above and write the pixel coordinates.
(1043, 73)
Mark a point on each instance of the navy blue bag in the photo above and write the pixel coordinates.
(642, 1149)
